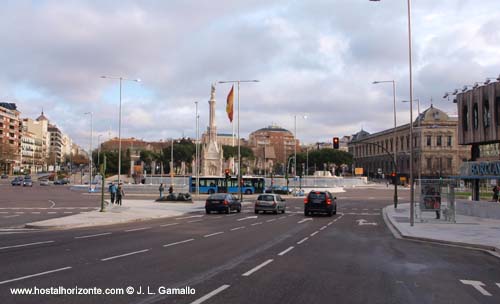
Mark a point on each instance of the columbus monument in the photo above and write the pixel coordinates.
(212, 156)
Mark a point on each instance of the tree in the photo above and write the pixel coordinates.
(324, 156)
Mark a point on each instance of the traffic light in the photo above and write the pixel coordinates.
(335, 142)
(226, 172)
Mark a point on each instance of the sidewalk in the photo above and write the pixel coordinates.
(469, 231)
(131, 211)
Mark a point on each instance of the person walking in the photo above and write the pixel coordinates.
(161, 189)
(119, 195)
(112, 192)
(496, 190)
(170, 190)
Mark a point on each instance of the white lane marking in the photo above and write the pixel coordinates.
(187, 217)
(366, 209)
(314, 233)
(362, 222)
(303, 240)
(53, 204)
(176, 243)
(19, 212)
(66, 212)
(285, 251)
(478, 285)
(196, 221)
(322, 228)
(170, 224)
(212, 234)
(211, 294)
(304, 220)
(330, 223)
(8, 216)
(248, 273)
(248, 218)
(268, 221)
(283, 217)
(51, 212)
(35, 275)
(232, 214)
(217, 217)
(291, 215)
(238, 228)
(124, 255)
(91, 235)
(4, 212)
(498, 284)
(35, 212)
(255, 224)
(24, 245)
(137, 229)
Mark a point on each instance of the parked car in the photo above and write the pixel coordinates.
(5, 176)
(270, 202)
(320, 202)
(278, 189)
(222, 202)
(27, 182)
(43, 182)
(63, 181)
(17, 181)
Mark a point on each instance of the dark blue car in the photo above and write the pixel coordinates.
(222, 202)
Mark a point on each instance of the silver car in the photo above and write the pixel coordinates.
(270, 202)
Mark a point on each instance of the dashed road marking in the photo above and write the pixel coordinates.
(25, 245)
(303, 240)
(285, 251)
(272, 220)
(169, 224)
(211, 294)
(256, 268)
(283, 217)
(314, 233)
(91, 235)
(35, 275)
(212, 234)
(124, 255)
(237, 228)
(137, 229)
(195, 221)
(322, 228)
(255, 224)
(177, 243)
(304, 220)
(248, 218)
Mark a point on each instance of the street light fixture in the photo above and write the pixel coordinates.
(412, 188)
(238, 130)
(120, 121)
(394, 139)
(90, 151)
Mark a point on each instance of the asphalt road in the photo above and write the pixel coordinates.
(21, 205)
(243, 258)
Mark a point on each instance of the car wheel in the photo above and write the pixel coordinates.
(306, 213)
(239, 209)
(211, 191)
(330, 213)
(283, 211)
(248, 191)
(275, 211)
(256, 211)
(207, 211)
(335, 211)
(228, 210)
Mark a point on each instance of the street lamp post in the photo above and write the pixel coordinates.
(420, 151)
(90, 152)
(120, 122)
(395, 146)
(197, 170)
(295, 148)
(98, 149)
(238, 131)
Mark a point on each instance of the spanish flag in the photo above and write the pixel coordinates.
(229, 104)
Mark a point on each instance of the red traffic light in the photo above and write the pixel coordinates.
(335, 142)
(226, 171)
(393, 174)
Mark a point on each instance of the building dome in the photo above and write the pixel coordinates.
(42, 117)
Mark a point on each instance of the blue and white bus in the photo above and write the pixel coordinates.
(213, 184)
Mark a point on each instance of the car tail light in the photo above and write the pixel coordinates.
(226, 202)
(305, 201)
(328, 201)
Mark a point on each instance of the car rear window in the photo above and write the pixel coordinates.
(319, 196)
(217, 196)
(268, 198)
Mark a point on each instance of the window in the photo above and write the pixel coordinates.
(449, 162)
(402, 142)
(475, 116)
(449, 141)
(429, 163)
(486, 113)
(429, 140)
(465, 118)
(439, 140)
(407, 142)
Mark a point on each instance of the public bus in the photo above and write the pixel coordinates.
(214, 184)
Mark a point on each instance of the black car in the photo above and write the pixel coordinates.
(27, 182)
(320, 202)
(222, 202)
(17, 181)
(5, 176)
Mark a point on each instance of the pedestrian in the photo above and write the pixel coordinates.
(170, 189)
(119, 195)
(161, 189)
(496, 189)
(112, 192)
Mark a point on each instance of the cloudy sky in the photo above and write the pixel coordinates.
(313, 57)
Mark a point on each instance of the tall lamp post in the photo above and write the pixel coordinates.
(395, 146)
(420, 153)
(121, 79)
(295, 148)
(98, 149)
(238, 131)
(197, 156)
(90, 152)
(412, 188)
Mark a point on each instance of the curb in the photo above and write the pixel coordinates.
(398, 235)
